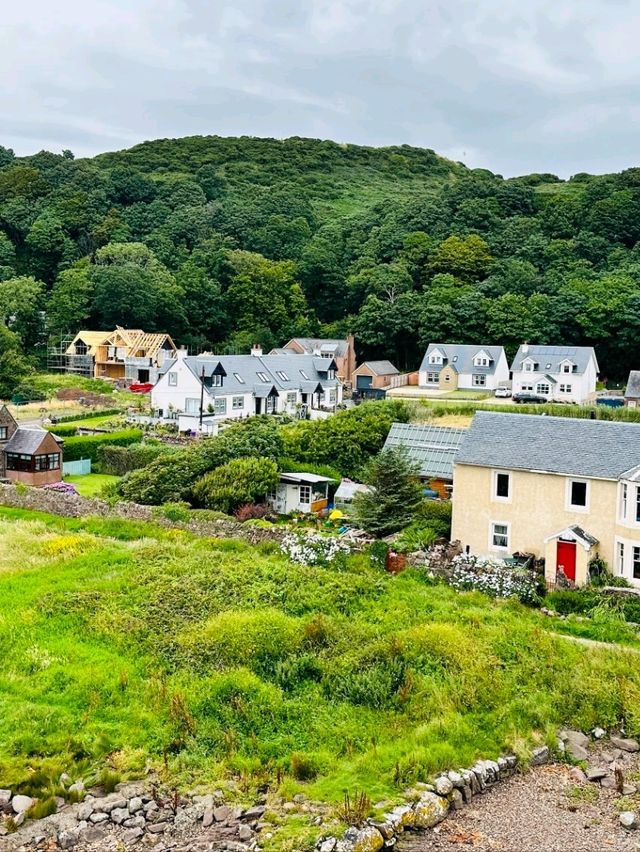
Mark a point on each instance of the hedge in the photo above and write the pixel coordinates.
(118, 460)
(86, 446)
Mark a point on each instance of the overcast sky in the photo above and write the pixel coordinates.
(515, 86)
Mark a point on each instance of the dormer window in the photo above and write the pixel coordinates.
(481, 360)
(527, 366)
(435, 357)
(216, 380)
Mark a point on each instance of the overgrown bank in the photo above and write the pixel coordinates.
(125, 643)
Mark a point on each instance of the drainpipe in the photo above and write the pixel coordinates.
(201, 397)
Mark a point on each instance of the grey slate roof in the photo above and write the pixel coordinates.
(433, 448)
(27, 441)
(460, 356)
(549, 358)
(633, 385)
(286, 372)
(567, 445)
(381, 368)
(324, 344)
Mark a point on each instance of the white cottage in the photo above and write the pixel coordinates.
(558, 373)
(214, 388)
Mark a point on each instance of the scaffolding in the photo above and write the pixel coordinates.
(58, 361)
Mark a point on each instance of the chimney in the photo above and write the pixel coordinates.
(181, 353)
(525, 348)
(256, 350)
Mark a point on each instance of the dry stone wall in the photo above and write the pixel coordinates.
(76, 506)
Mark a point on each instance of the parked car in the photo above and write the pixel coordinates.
(503, 393)
(528, 397)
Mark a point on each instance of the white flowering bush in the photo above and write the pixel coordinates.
(493, 578)
(313, 549)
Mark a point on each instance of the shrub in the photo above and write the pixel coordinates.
(437, 513)
(307, 467)
(417, 536)
(87, 446)
(118, 460)
(304, 767)
(347, 440)
(171, 478)
(176, 512)
(252, 512)
(236, 483)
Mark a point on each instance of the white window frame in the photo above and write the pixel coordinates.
(172, 380)
(305, 489)
(494, 486)
(527, 367)
(263, 378)
(566, 368)
(566, 388)
(434, 358)
(624, 501)
(569, 506)
(620, 557)
(292, 398)
(546, 385)
(526, 388)
(191, 405)
(239, 379)
(635, 560)
(492, 534)
(636, 518)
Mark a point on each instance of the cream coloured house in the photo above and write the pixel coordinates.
(562, 488)
(458, 366)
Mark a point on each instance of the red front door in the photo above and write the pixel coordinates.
(566, 559)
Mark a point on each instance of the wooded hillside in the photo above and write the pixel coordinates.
(224, 242)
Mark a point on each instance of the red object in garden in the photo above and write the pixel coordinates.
(141, 387)
(395, 562)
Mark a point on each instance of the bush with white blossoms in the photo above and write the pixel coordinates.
(493, 578)
(313, 549)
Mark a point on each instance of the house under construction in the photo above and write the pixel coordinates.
(124, 355)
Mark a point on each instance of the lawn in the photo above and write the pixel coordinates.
(128, 644)
(91, 484)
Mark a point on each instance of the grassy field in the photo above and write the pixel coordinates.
(127, 645)
(91, 484)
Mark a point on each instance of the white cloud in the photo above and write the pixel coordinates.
(512, 87)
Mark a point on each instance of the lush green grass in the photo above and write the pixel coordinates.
(466, 394)
(92, 484)
(126, 643)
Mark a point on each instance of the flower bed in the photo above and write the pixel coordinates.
(313, 549)
(493, 578)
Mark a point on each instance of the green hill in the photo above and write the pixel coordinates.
(228, 241)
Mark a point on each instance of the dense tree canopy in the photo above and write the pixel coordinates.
(224, 241)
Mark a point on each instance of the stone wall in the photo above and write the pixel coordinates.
(75, 506)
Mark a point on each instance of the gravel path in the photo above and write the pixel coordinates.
(540, 811)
